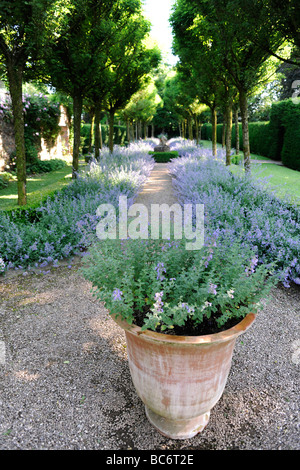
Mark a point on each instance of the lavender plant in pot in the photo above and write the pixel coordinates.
(181, 312)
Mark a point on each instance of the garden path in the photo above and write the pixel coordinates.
(158, 189)
(268, 161)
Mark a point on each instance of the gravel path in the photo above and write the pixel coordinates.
(65, 382)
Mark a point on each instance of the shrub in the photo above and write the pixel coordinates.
(31, 214)
(259, 136)
(41, 117)
(45, 166)
(120, 136)
(164, 157)
(290, 154)
(4, 180)
(239, 206)
(64, 223)
(236, 159)
(163, 286)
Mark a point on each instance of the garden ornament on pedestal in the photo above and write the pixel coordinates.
(162, 147)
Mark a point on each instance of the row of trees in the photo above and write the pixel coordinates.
(229, 50)
(92, 50)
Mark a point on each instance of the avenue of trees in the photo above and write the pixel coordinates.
(229, 50)
(93, 50)
(99, 56)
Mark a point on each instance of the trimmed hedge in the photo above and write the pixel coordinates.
(32, 213)
(120, 135)
(164, 157)
(285, 133)
(278, 139)
(258, 135)
(45, 166)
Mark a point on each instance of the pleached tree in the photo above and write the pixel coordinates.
(27, 29)
(82, 56)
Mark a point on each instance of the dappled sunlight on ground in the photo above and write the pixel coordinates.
(26, 376)
(24, 297)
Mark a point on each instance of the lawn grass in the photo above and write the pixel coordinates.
(207, 144)
(38, 186)
(284, 181)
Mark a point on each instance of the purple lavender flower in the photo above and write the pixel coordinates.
(2, 265)
(160, 268)
(251, 268)
(212, 289)
(208, 260)
(188, 308)
(158, 304)
(117, 295)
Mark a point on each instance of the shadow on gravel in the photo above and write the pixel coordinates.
(65, 382)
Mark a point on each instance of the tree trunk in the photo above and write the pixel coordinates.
(228, 132)
(100, 135)
(245, 127)
(15, 79)
(91, 138)
(190, 128)
(183, 129)
(152, 130)
(197, 130)
(224, 130)
(77, 110)
(128, 130)
(111, 130)
(237, 132)
(97, 131)
(214, 130)
(131, 131)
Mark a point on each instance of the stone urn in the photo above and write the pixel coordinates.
(180, 378)
(162, 146)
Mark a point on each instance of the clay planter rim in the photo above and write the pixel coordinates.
(219, 337)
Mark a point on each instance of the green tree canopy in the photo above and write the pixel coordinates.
(229, 50)
(83, 55)
(27, 28)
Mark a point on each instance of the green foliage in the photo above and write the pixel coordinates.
(165, 286)
(120, 135)
(236, 159)
(142, 105)
(285, 133)
(29, 214)
(41, 118)
(164, 157)
(4, 180)
(27, 29)
(259, 136)
(45, 166)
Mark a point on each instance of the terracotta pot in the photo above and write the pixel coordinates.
(180, 378)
